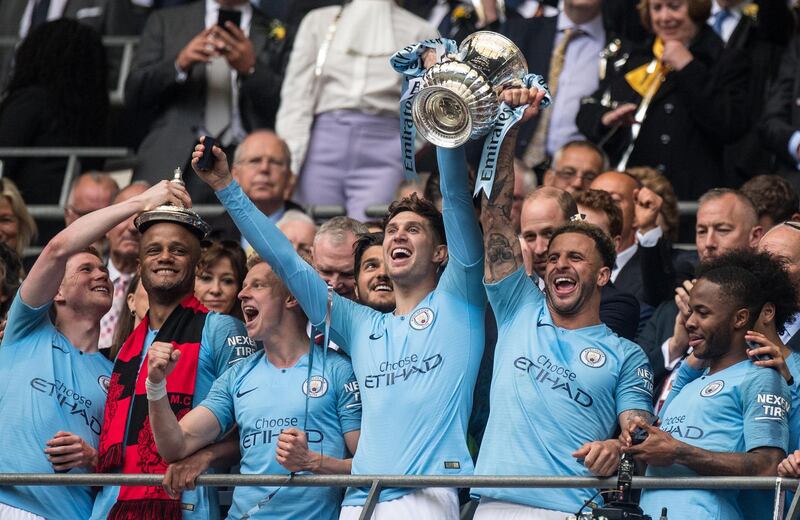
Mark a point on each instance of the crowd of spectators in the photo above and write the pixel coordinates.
(642, 256)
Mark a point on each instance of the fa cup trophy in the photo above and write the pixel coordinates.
(175, 214)
(459, 97)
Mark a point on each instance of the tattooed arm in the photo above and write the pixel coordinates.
(502, 252)
(503, 255)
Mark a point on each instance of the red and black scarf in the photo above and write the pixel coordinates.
(127, 397)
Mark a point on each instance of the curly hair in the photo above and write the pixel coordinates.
(67, 59)
(775, 285)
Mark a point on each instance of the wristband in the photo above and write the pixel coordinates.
(155, 391)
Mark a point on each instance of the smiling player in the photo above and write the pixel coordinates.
(432, 394)
(562, 380)
(53, 380)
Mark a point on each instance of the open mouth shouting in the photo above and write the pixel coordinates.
(563, 285)
(400, 254)
(250, 313)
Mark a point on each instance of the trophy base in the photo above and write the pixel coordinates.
(442, 117)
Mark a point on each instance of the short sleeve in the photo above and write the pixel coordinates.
(509, 294)
(685, 375)
(348, 398)
(227, 339)
(23, 320)
(635, 387)
(219, 400)
(766, 404)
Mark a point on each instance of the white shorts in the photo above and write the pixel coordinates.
(424, 504)
(12, 513)
(490, 509)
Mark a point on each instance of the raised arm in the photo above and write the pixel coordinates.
(197, 429)
(42, 283)
(265, 238)
(463, 234)
(503, 255)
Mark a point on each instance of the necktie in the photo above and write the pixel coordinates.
(536, 152)
(719, 19)
(108, 323)
(218, 97)
(39, 13)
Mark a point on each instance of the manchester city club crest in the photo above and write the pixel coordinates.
(421, 319)
(593, 357)
(317, 388)
(712, 388)
(104, 382)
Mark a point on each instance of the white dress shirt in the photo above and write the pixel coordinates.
(356, 74)
(236, 132)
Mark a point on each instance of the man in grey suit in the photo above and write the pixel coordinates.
(199, 78)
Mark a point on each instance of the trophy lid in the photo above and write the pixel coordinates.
(175, 215)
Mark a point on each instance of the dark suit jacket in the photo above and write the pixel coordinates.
(535, 38)
(782, 112)
(619, 311)
(655, 332)
(661, 269)
(695, 113)
(763, 39)
(152, 87)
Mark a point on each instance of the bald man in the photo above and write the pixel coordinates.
(262, 167)
(783, 242)
(89, 192)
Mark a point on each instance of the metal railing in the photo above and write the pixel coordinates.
(377, 482)
(128, 45)
(72, 155)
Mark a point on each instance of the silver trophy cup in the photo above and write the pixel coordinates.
(460, 97)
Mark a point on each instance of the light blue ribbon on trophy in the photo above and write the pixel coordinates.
(506, 118)
(408, 62)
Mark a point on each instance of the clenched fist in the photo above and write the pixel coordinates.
(162, 357)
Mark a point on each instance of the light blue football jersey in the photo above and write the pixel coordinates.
(416, 372)
(553, 390)
(737, 409)
(46, 385)
(262, 401)
(223, 343)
